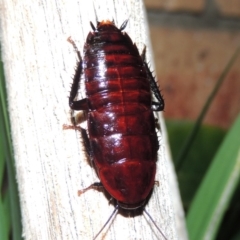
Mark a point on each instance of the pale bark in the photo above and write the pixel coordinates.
(50, 162)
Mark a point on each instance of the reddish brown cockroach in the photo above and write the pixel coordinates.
(122, 141)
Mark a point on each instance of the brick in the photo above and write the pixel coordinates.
(229, 8)
(188, 64)
(176, 5)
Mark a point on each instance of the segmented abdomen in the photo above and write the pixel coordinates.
(120, 120)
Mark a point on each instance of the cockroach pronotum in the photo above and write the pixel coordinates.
(121, 142)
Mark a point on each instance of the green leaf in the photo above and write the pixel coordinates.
(217, 188)
(192, 135)
(10, 218)
(199, 157)
(5, 225)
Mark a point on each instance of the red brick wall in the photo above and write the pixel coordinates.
(176, 5)
(192, 43)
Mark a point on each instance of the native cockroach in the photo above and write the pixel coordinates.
(122, 141)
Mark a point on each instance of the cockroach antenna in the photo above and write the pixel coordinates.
(124, 24)
(154, 223)
(95, 12)
(111, 216)
(92, 26)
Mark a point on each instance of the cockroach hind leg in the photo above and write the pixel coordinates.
(84, 135)
(96, 185)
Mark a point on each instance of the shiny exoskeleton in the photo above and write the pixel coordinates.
(122, 141)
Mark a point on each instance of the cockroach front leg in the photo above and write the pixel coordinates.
(156, 106)
(80, 104)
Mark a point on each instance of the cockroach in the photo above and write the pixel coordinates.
(121, 142)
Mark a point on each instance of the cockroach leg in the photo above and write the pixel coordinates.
(80, 104)
(75, 48)
(156, 106)
(95, 185)
(83, 134)
(156, 183)
(78, 118)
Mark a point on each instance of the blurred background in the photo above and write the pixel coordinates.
(192, 42)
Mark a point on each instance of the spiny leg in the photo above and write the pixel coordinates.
(96, 185)
(84, 136)
(80, 104)
(156, 106)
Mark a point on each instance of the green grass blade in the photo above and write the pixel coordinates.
(5, 225)
(216, 190)
(10, 217)
(187, 145)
